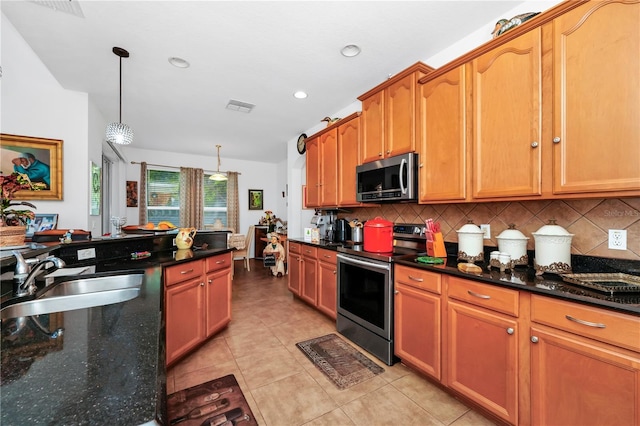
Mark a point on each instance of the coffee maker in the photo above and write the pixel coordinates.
(325, 222)
(343, 230)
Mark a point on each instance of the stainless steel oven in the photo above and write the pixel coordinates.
(365, 304)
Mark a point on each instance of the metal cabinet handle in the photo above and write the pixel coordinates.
(481, 296)
(534, 339)
(510, 330)
(587, 323)
(556, 140)
(326, 256)
(416, 279)
(534, 144)
(186, 272)
(219, 262)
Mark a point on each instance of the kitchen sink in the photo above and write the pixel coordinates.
(78, 293)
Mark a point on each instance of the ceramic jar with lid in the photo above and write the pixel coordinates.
(514, 243)
(470, 242)
(553, 249)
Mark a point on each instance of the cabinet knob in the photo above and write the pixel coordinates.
(421, 165)
(379, 154)
(534, 144)
(335, 272)
(510, 330)
(388, 151)
(202, 284)
(534, 339)
(210, 280)
(396, 292)
(556, 140)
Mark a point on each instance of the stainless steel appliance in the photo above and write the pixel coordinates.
(392, 179)
(365, 291)
(325, 222)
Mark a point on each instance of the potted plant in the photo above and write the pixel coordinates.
(13, 222)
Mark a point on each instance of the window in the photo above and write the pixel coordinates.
(163, 197)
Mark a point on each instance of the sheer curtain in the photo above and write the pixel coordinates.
(191, 197)
(232, 202)
(142, 195)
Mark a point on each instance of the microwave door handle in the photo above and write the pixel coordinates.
(403, 165)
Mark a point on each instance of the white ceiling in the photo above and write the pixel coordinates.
(259, 52)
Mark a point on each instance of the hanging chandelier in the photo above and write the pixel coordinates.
(119, 132)
(217, 175)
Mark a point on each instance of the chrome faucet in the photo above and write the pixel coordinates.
(27, 285)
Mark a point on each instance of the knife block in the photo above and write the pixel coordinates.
(435, 248)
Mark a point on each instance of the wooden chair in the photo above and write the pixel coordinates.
(243, 253)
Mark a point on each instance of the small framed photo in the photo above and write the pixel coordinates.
(42, 222)
(255, 199)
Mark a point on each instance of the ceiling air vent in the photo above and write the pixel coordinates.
(71, 7)
(234, 105)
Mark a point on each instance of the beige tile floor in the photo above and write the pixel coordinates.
(283, 387)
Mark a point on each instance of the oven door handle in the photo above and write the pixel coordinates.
(351, 260)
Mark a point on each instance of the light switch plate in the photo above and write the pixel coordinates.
(487, 230)
(85, 254)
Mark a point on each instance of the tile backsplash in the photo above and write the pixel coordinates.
(588, 219)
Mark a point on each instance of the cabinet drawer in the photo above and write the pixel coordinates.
(606, 326)
(419, 278)
(182, 272)
(295, 247)
(485, 295)
(221, 261)
(309, 251)
(328, 256)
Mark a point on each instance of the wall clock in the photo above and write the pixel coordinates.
(302, 147)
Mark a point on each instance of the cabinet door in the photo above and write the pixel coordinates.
(483, 358)
(327, 282)
(184, 317)
(417, 329)
(313, 173)
(218, 301)
(294, 273)
(309, 280)
(348, 160)
(400, 126)
(442, 138)
(596, 98)
(577, 381)
(506, 104)
(372, 121)
(329, 168)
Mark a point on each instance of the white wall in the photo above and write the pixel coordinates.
(299, 219)
(34, 104)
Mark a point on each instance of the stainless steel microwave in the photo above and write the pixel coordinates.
(391, 179)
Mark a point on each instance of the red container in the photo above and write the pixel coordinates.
(378, 235)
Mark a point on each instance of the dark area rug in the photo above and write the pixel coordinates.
(218, 402)
(339, 361)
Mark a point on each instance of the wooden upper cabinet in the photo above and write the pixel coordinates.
(596, 98)
(313, 172)
(348, 160)
(329, 168)
(372, 143)
(440, 131)
(388, 115)
(506, 115)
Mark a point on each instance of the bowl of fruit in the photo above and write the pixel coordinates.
(162, 227)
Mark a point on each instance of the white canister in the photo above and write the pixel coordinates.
(514, 242)
(470, 242)
(553, 249)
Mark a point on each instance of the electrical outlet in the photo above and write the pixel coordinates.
(85, 254)
(487, 230)
(617, 239)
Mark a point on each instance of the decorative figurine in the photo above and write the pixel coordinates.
(330, 120)
(274, 247)
(502, 26)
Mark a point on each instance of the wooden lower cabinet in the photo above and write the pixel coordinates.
(483, 358)
(294, 265)
(309, 286)
(327, 282)
(197, 302)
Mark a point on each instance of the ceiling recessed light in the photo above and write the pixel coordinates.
(178, 62)
(350, 50)
(300, 94)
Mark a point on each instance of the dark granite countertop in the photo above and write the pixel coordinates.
(524, 278)
(109, 363)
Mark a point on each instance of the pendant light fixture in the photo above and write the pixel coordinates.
(217, 175)
(119, 132)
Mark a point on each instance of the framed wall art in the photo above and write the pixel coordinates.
(132, 193)
(39, 159)
(95, 189)
(255, 199)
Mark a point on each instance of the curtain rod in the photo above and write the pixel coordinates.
(174, 167)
